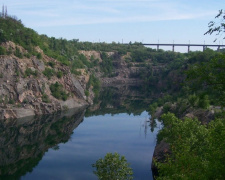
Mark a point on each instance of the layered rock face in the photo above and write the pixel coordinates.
(25, 86)
(123, 72)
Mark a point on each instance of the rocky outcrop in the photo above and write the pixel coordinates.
(162, 150)
(204, 116)
(25, 85)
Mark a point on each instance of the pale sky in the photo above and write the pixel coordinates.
(147, 21)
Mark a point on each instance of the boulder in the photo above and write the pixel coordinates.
(161, 151)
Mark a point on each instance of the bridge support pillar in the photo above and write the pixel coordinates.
(157, 47)
(173, 48)
(188, 49)
(204, 48)
(218, 48)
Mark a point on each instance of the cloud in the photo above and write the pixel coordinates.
(77, 12)
(128, 19)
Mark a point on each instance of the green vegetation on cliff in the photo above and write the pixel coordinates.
(58, 91)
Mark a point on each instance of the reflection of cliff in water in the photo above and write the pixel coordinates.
(23, 142)
(121, 99)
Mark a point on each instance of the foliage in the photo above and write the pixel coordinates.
(95, 83)
(39, 56)
(198, 151)
(58, 92)
(113, 167)
(29, 72)
(210, 76)
(76, 72)
(59, 74)
(13, 30)
(45, 98)
(86, 92)
(2, 50)
(193, 100)
(17, 53)
(217, 27)
(11, 101)
(51, 63)
(48, 72)
(140, 55)
(152, 107)
(106, 65)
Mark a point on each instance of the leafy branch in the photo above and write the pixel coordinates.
(217, 27)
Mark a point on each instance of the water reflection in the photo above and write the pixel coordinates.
(23, 142)
(54, 147)
(120, 99)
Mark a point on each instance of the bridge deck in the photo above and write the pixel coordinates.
(206, 45)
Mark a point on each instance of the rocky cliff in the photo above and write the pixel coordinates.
(122, 71)
(25, 85)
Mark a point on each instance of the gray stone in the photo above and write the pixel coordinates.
(22, 112)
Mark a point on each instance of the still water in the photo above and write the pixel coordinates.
(64, 146)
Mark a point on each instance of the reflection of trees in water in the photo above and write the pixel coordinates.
(124, 99)
(148, 124)
(153, 124)
(120, 99)
(23, 142)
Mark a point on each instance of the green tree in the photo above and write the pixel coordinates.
(198, 151)
(113, 167)
(210, 76)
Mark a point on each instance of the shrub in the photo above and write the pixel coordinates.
(51, 63)
(86, 93)
(29, 72)
(59, 74)
(95, 83)
(2, 50)
(193, 100)
(74, 71)
(11, 101)
(45, 98)
(39, 56)
(27, 55)
(58, 92)
(17, 73)
(204, 102)
(49, 72)
(17, 53)
(113, 166)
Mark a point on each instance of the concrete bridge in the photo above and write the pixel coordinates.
(204, 46)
